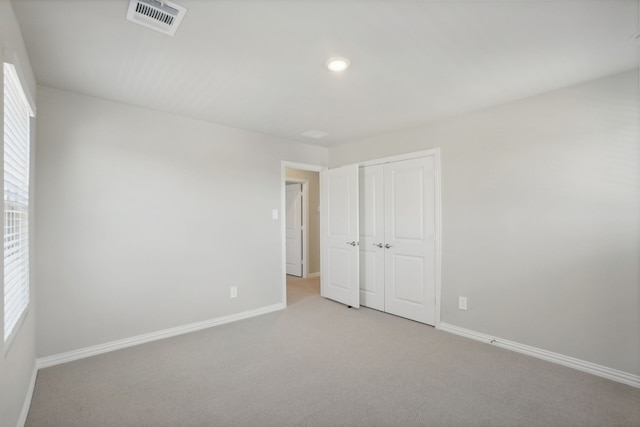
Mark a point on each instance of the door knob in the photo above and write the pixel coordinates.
(388, 246)
(354, 243)
(380, 245)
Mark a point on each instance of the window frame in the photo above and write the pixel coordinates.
(21, 195)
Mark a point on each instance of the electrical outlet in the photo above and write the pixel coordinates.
(233, 293)
(462, 303)
(274, 213)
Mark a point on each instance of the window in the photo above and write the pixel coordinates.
(17, 113)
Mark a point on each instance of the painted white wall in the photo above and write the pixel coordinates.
(13, 46)
(145, 219)
(541, 208)
(18, 361)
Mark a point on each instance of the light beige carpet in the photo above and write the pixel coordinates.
(319, 363)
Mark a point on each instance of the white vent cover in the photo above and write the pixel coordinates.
(315, 134)
(158, 15)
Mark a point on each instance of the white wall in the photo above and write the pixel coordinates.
(145, 219)
(541, 208)
(17, 363)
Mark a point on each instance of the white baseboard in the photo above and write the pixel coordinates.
(70, 356)
(317, 274)
(560, 359)
(27, 399)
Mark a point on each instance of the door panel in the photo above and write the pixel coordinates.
(340, 207)
(368, 274)
(293, 229)
(407, 211)
(340, 271)
(371, 236)
(408, 276)
(410, 234)
(339, 229)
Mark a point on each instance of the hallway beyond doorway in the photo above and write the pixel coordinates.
(299, 289)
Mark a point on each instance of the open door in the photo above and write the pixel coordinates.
(340, 275)
(293, 229)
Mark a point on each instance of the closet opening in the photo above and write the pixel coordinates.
(381, 235)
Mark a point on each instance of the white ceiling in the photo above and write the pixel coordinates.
(259, 64)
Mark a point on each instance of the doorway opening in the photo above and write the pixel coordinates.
(300, 231)
(297, 226)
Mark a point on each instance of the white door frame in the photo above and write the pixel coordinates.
(305, 222)
(283, 248)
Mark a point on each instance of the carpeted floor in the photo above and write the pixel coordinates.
(319, 363)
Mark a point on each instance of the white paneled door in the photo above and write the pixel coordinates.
(340, 236)
(293, 229)
(398, 238)
(410, 239)
(372, 238)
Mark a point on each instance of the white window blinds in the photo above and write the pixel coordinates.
(16, 201)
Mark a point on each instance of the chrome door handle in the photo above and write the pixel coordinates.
(380, 245)
(354, 243)
(387, 246)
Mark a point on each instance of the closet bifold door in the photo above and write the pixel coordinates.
(372, 236)
(410, 241)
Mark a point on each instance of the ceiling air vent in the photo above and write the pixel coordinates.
(158, 15)
(315, 134)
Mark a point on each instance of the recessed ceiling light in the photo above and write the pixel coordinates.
(338, 64)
